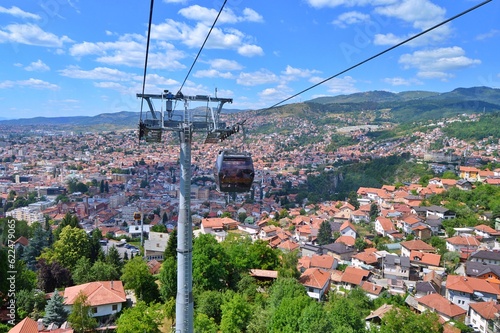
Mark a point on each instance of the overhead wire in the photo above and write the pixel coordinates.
(379, 54)
(147, 55)
(202, 46)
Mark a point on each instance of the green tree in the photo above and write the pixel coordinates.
(324, 233)
(72, 244)
(36, 244)
(374, 211)
(209, 302)
(314, 319)
(103, 271)
(80, 318)
(171, 249)
(236, 314)
(204, 324)
(289, 261)
(285, 288)
(168, 278)
(141, 318)
(113, 258)
(343, 312)
(402, 320)
(54, 310)
(353, 199)
(30, 303)
(286, 317)
(211, 264)
(82, 271)
(136, 276)
(95, 249)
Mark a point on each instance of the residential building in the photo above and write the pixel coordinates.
(316, 281)
(104, 297)
(483, 316)
(464, 290)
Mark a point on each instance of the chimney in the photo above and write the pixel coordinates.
(111, 284)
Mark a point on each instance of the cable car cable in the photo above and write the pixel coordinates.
(202, 46)
(147, 54)
(380, 53)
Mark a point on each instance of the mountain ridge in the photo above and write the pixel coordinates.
(405, 106)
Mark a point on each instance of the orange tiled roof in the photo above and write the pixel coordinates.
(354, 275)
(314, 277)
(466, 241)
(442, 305)
(324, 261)
(487, 310)
(425, 258)
(98, 293)
(417, 245)
(347, 240)
(27, 325)
(469, 285)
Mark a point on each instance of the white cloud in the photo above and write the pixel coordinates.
(421, 14)
(30, 83)
(399, 81)
(298, 72)
(37, 66)
(31, 34)
(251, 15)
(349, 18)
(17, 12)
(250, 50)
(194, 36)
(129, 50)
(437, 63)
(347, 3)
(99, 73)
(490, 34)
(208, 15)
(338, 85)
(224, 64)
(262, 76)
(212, 73)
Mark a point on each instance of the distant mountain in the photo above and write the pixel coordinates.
(407, 106)
(412, 106)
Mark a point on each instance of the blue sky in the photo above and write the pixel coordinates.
(68, 57)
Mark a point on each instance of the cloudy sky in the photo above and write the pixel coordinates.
(70, 57)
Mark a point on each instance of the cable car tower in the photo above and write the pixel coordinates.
(185, 124)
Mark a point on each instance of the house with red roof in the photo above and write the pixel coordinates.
(463, 244)
(464, 290)
(486, 231)
(104, 297)
(415, 245)
(354, 277)
(425, 260)
(365, 258)
(316, 281)
(443, 307)
(484, 316)
(384, 226)
(28, 325)
(348, 229)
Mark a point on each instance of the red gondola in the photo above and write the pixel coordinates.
(234, 171)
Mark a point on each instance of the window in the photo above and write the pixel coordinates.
(114, 307)
(94, 310)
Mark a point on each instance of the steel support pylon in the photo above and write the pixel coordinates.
(184, 302)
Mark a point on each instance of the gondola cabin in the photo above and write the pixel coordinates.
(234, 171)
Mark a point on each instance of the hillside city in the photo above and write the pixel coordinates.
(389, 241)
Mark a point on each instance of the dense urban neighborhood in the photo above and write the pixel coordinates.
(94, 216)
